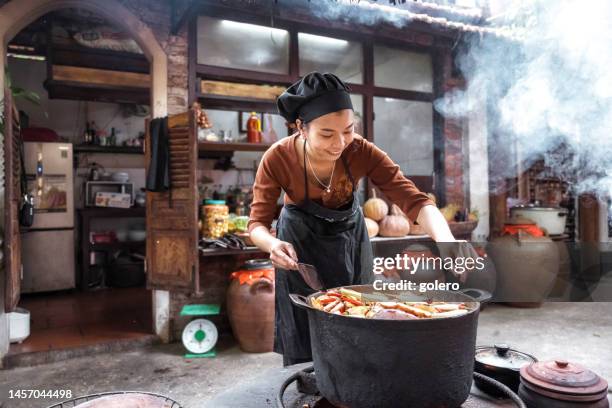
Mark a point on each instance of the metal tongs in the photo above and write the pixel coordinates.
(310, 275)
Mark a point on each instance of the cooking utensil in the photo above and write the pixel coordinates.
(501, 363)
(364, 363)
(562, 384)
(310, 275)
(552, 219)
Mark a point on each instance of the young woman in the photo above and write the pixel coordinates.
(321, 222)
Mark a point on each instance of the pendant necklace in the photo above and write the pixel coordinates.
(328, 186)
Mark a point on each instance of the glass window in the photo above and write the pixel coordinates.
(395, 68)
(230, 44)
(357, 100)
(404, 129)
(325, 54)
(273, 126)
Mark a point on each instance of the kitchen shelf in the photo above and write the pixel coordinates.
(108, 212)
(108, 149)
(232, 147)
(234, 103)
(85, 216)
(115, 246)
(406, 238)
(221, 252)
(83, 91)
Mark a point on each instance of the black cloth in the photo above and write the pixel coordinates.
(334, 241)
(312, 96)
(158, 177)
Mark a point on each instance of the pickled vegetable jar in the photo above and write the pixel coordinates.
(215, 218)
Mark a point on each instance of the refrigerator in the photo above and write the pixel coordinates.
(48, 254)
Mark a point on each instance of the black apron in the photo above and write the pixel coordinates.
(334, 241)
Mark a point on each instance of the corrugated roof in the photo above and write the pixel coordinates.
(441, 16)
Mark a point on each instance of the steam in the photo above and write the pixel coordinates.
(549, 95)
(544, 78)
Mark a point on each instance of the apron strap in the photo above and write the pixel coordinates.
(305, 175)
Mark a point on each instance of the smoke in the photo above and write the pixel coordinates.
(549, 94)
(544, 77)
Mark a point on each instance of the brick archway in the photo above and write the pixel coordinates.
(17, 14)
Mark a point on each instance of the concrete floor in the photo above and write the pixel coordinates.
(580, 332)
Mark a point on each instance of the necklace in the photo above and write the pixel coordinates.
(328, 186)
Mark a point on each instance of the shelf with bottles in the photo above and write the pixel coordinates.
(96, 140)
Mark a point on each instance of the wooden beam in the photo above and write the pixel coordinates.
(265, 92)
(100, 76)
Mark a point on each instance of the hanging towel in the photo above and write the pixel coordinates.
(158, 177)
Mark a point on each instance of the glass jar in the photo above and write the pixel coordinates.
(215, 218)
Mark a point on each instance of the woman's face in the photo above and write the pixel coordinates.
(330, 134)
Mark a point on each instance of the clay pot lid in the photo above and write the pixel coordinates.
(564, 380)
(502, 356)
(257, 264)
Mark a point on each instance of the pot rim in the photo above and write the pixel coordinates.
(543, 209)
(474, 306)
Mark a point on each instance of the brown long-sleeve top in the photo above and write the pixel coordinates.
(281, 168)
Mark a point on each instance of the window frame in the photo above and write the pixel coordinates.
(368, 90)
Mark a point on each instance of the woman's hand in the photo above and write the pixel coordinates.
(435, 224)
(459, 251)
(283, 255)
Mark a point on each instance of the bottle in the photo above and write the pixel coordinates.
(253, 129)
(87, 136)
(112, 141)
(94, 133)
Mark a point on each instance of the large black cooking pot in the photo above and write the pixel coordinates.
(421, 363)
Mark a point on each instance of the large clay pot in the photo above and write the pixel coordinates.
(486, 278)
(561, 290)
(527, 267)
(250, 308)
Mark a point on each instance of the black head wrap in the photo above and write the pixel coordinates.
(312, 96)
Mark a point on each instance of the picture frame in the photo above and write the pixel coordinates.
(243, 117)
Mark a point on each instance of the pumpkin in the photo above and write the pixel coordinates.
(395, 224)
(375, 208)
(372, 227)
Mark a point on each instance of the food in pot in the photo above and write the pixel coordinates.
(348, 302)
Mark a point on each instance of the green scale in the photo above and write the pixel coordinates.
(200, 335)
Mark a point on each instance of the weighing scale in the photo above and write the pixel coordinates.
(200, 335)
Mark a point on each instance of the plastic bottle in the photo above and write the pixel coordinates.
(253, 129)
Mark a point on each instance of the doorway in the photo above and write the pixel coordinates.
(77, 312)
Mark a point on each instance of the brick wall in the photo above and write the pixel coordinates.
(455, 147)
(156, 15)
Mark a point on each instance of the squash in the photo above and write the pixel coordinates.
(372, 227)
(375, 208)
(395, 224)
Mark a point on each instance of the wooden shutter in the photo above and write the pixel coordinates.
(12, 199)
(172, 216)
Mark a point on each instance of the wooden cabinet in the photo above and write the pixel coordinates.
(172, 216)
